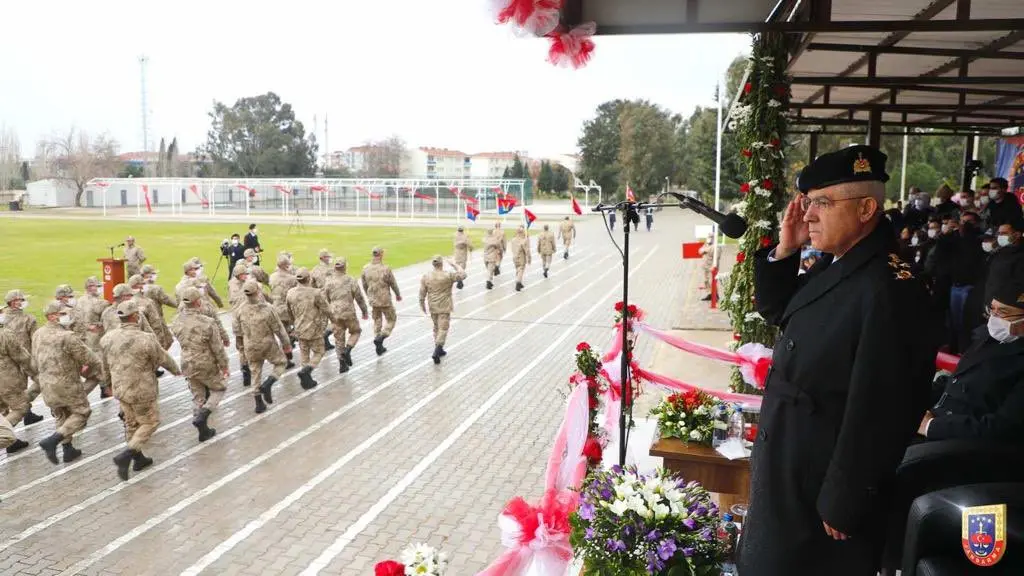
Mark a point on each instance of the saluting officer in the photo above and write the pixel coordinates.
(847, 387)
(436, 288)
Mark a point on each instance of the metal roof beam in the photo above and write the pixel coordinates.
(913, 51)
(953, 108)
(903, 27)
(898, 81)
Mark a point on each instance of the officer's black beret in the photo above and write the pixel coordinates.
(854, 164)
(1007, 278)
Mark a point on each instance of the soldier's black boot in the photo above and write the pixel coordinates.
(246, 376)
(342, 366)
(31, 417)
(327, 342)
(18, 446)
(490, 284)
(106, 392)
(347, 355)
(120, 414)
(545, 272)
(141, 462)
(443, 351)
(49, 445)
(265, 389)
(459, 284)
(123, 461)
(260, 406)
(159, 372)
(291, 364)
(306, 378)
(565, 255)
(519, 286)
(70, 453)
(437, 355)
(378, 342)
(205, 432)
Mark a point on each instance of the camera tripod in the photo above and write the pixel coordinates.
(296, 222)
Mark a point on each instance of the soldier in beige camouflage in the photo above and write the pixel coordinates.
(308, 307)
(7, 437)
(546, 248)
(318, 276)
(61, 360)
(109, 317)
(520, 247)
(88, 326)
(499, 233)
(133, 256)
(131, 358)
(343, 295)
(255, 271)
(15, 368)
(23, 326)
(151, 311)
(236, 298)
(378, 283)
(281, 281)
(567, 233)
(195, 278)
(156, 292)
(436, 289)
(203, 360)
(463, 246)
(492, 257)
(265, 340)
(65, 294)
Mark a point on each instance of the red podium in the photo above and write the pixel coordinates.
(112, 274)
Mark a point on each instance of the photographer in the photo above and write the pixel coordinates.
(233, 251)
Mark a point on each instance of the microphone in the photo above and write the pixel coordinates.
(731, 224)
(118, 245)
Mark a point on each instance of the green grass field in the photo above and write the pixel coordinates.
(39, 255)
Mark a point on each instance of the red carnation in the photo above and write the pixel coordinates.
(765, 242)
(632, 310)
(746, 152)
(740, 257)
(745, 187)
(775, 142)
(780, 90)
(747, 88)
(736, 336)
(592, 450)
(389, 568)
(582, 346)
(619, 305)
(592, 401)
(767, 184)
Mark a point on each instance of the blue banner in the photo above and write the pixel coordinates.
(1010, 162)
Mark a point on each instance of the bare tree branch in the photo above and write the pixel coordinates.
(76, 157)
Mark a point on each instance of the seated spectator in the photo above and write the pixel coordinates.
(984, 398)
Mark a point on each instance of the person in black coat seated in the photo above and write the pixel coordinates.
(847, 387)
(984, 398)
(1005, 246)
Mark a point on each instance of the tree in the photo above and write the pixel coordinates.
(518, 169)
(77, 158)
(259, 136)
(172, 158)
(647, 134)
(560, 182)
(161, 160)
(545, 180)
(10, 158)
(132, 171)
(599, 146)
(385, 159)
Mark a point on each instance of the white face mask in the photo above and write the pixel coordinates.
(983, 201)
(987, 246)
(199, 271)
(932, 232)
(24, 305)
(993, 194)
(152, 279)
(999, 329)
(254, 232)
(234, 241)
(66, 320)
(914, 241)
(70, 302)
(945, 229)
(1003, 240)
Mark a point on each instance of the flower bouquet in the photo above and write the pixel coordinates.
(417, 560)
(629, 524)
(691, 416)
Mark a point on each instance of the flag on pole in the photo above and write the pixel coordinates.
(202, 197)
(506, 203)
(530, 217)
(576, 206)
(630, 197)
(283, 189)
(424, 197)
(471, 213)
(145, 193)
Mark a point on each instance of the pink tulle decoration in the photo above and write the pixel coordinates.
(537, 17)
(572, 48)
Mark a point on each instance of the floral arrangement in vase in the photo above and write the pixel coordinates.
(691, 416)
(629, 524)
(589, 373)
(416, 560)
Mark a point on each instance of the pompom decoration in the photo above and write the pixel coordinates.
(758, 360)
(537, 17)
(572, 48)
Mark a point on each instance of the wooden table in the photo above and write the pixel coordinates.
(729, 480)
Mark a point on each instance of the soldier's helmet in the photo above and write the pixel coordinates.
(126, 309)
(377, 251)
(302, 274)
(340, 263)
(460, 229)
(147, 269)
(249, 253)
(240, 268)
(136, 281)
(189, 266)
(545, 227)
(53, 307)
(122, 290)
(64, 291)
(13, 295)
(191, 295)
(92, 281)
(283, 260)
(250, 288)
(324, 253)
(437, 260)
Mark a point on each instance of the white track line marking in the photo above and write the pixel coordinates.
(362, 447)
(99, 497)
(370, 515)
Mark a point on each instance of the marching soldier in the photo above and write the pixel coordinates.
(156, 292)
(151, 311)
(236, 299)
(520, 255)
(109, 317)
(308, 308)
(7, 437)
(194, 277)
(65, 294)
(134, 256)
(15, 367)
(492, 257)
(378, 283)
(88, 313)
(503, 242)
(203, 360)
(281, 281)
(546, 248)
(252, 260)
(436, 287)
(341, 292)
(62, 360)
(260, 327)
(567, 233)
(23, 326)
(463, 246)
(318, 277)
(131, 357)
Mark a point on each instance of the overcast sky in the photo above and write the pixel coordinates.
(436, 72)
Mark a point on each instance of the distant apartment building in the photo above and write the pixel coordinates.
(494, 164)
(355, 158)
(437, 163)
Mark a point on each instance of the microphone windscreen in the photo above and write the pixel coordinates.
(733, 226)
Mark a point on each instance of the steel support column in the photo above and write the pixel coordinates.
(875, 128)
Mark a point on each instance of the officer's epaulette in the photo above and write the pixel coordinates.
(900, 269)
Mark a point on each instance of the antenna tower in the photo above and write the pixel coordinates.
(143, 61)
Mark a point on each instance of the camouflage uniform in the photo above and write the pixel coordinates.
(109, 317)
(195, 278)
(15, 367)
(378, 283)
(131, 357)
(260, 327)
(156, 292)
(319, 275)
(341, 291)
(436, 288)
(503, 242)
(567, 233)
(546, 248)
(258, 274)
(203, 360)
(281, 281)
(492, 257)
(23, 326)
(151, 311)
(7, 437)
(60, 358)
(235, 299)
(133, 256)
(521, 256)
(308, 308)
(463, 246)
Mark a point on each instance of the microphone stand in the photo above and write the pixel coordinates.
(630, 215)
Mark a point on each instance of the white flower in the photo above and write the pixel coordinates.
(764, 224)
(773, 103)
(694, 435)
(732, 125)
(762, 192)
(735, 297)
(752, 316)
(740, 207)
(618, 507)
(660, 510)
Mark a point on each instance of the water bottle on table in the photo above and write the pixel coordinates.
(729, 532)
(721, 427)
(736, 425)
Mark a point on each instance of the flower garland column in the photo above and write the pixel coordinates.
(761, 129)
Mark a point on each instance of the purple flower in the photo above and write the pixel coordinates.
(617, 469)
(690, 523)
(653, 535)
(654, 565)
(666, 548)
(589, 534)
(587, 510)
(606, 494)
(707, 535)
(627, 530)
(615, 545)
(701, 510)
(688, 552)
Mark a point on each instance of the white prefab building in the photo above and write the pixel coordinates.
(51, 193)
(437, 163)
(493, 164)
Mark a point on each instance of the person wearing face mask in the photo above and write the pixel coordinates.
(984, 397)
(88, 313)
(1003, 207)
(918, 209)
(946, 208)
(62, 360)
(15, 367)
(254, 270)
(151, 311)
(156, 292)
(235, 251)
(195, 278)
(252, 242)
(23, 325)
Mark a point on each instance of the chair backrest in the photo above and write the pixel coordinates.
(935, 528)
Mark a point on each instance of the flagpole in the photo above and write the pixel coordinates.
(718, 173)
